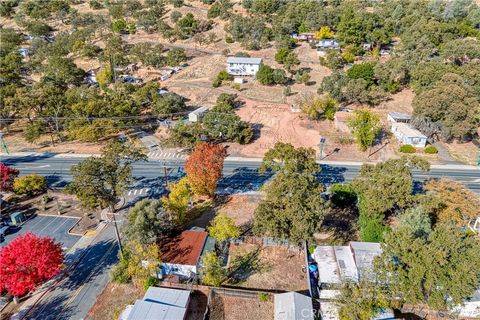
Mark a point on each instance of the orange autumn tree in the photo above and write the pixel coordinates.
(456, 201)
(204, 168)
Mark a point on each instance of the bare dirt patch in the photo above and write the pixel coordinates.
(17, 143)
(267, 268)
(240, 208)
(113, 300)
(237, 308)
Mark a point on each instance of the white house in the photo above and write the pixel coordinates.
(181, 254)
(197, 114)
(326, 44)
(408, 135)
(241, 66)
(337, 264)
(394, 117)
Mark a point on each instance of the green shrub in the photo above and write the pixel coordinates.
(149, 282)
(372, 231)
(431, 150)
(343, 194)
(407, 148)
(229, 39)
(362, 71)
(95, 4)
(263, 297)
(30, 184)
(221, 76)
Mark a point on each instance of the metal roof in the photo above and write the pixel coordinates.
(346, 263)
(327, 264)
(244, 60)
(293, 306)
(200, 110)
(160, 304)
(173, 297)
(408, 131)
(364, 253)
(400, 115)
(144, 310)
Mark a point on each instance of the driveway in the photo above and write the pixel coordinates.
(54, 227)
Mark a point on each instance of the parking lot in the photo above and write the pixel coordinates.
(55, 227)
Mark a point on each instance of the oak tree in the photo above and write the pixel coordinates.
(293, 208)
(100, 181)
(365, 127)
(436, 270)
(147, 221)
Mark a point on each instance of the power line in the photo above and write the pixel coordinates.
(156, 117)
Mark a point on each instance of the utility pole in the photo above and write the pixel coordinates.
(3, 144)
(117, 234)
(322, 142)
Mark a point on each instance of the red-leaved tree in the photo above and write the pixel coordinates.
(7, 175)
(28, 261)
(204, 168)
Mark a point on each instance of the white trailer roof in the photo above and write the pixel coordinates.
(244, 60)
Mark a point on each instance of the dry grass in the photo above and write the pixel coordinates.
(113, 300)
(240, 208)
(236, 308)
(267, 268)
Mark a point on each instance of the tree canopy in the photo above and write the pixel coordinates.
(436, 270)
(28, 261)
(99, 181)
(146, 222)
(204, 168)
(293, 208)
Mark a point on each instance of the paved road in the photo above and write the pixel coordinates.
(75, 295)
(239, 175)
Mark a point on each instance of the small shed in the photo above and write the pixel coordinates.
(293, 306)
(197, 114)
(340, 120)
(395, 117)
(408, 135)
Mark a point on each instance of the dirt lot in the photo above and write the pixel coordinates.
(240, 208)
(236, 308)
(113, 300)
(17, 143)
(272, 267)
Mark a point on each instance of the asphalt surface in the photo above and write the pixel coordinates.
(76, 294)
(239, 176)
(54, 227)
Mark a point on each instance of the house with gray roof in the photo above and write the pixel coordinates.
(159, 304)
(293, 306)
(243, 66)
